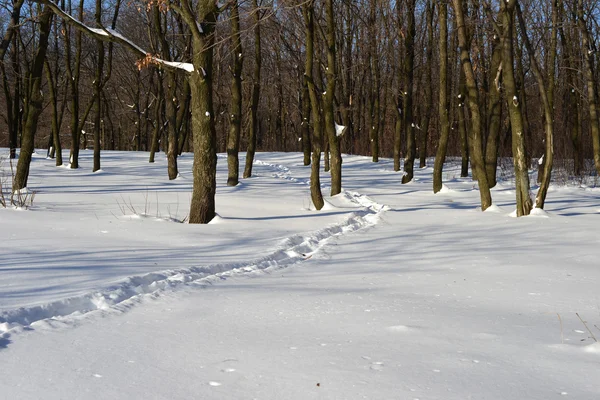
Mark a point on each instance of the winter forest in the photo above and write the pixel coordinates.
(408, 79)
(335, 160)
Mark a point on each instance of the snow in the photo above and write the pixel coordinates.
(388, 292)
(339, 129)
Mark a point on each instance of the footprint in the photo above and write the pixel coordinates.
(213, 383)
(377, 366)
(399, 328)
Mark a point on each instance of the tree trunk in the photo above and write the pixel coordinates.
(411, 145)
(524, 203)
(254, 125)
(34, 106)
(202, 208)
(588, 72)
(375, 72)
(477, 161)
(328, 99)
(235, 123)
(315, 181)
(494, 112)
(440, 156)
(55, 137)
(546, 90)
(97, 91)
(463, 130)
(428, 103)
(305, 124)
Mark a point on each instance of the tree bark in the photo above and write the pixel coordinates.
(428, 103)
(328, 100)
(494, 112)
(477, 161)
(592, 93)
(235, 123)
(440, 156)
(524, 203)
(202, 208)
(254, 125)
(34, 106)
(546, 90)
(315, 181)
(409, 62)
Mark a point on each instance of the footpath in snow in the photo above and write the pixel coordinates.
(434, 301)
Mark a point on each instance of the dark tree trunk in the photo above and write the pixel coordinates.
(328, 100)
(409, 126)
(235, 123)
(34, 106)
(477, 160)
(524, 203)
(315, 181)
(254, 125)
(440, 156)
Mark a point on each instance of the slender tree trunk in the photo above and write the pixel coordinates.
(34, 106)
(374, 97)
(400, 102)
(463, 130)
(305, 125)
(440, 156)
(55, 137)
(97, 90)
(328, 100)
(494, 113)
(572, 110)
(315, 181)
(588, 72)
(254, 125)
(477, 161)
(546, 90)
(235, 123)
(428, 86)
(411, 145)
(524, 203)
(12, 108)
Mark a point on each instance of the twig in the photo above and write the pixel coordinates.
(562, 336)
(586, 327)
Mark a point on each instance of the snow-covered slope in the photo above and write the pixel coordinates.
(433, 300)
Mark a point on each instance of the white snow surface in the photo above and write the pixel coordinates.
(388, 292)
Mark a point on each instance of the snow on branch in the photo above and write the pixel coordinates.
(110, 35)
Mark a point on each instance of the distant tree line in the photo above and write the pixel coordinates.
(407, 78)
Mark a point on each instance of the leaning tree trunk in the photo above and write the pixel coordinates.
(254, 126)
(524, 203)
(409, 63)
(235, 123)
(12, 108)
(440, 156)
(546, 90)
(315, 181)
(34, 106)
(477, 161)
(328, 99)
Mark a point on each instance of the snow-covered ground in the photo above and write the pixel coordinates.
(390, 292)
